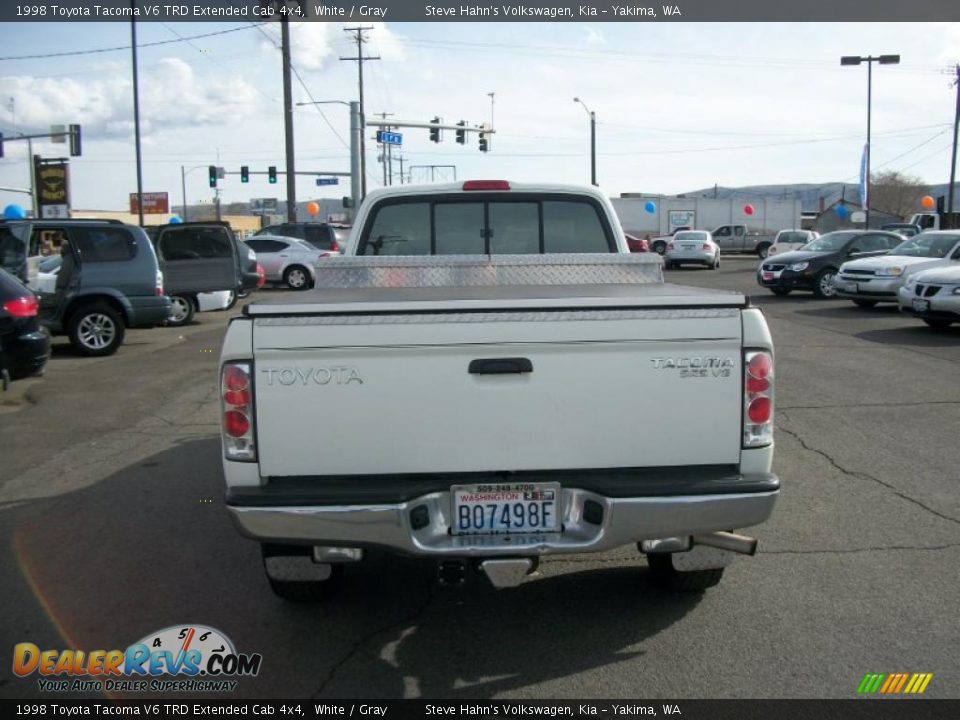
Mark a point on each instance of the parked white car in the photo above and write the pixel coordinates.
(694, 247)
(287, 260)
(933, 296)
(788, 240)
(878, 279)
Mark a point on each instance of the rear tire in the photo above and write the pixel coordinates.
(780, 292)
(181, 310)
(660, 247)
(938, 323)
(299, 591)
(96, 330)
(763, 250)
(661, 565)
(297, 277)
(716, 263)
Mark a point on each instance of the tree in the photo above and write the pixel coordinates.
(896, 193)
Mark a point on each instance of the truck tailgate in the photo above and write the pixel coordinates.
(354, 393)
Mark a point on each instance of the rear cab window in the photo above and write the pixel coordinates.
(462, 224)
(194, 243)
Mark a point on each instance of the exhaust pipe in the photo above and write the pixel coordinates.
(733, 542)
(509, 572)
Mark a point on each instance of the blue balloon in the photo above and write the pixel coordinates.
(650, 207)
(174, 220)
(842, 211)
(14, 212)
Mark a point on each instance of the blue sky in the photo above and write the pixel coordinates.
(679, 106)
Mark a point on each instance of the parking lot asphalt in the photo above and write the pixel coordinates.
(112, 526)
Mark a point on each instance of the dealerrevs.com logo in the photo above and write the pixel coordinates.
(180, 658)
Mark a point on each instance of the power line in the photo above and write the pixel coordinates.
(70, 53)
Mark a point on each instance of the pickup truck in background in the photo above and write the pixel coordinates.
(480, 360)
(739, 238)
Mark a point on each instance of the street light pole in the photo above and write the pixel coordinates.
(869, 59)
(593, 141)
(356, 145)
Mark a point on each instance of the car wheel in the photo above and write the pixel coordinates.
(865, 303)
(181, 310)
(233, 300)
(316, 581)
(716, 263)
(780, 292)
(763, 250)
(659, 248)
(938, 323)
(297, 278)
(667, 576)
(96, 330)
(823, 284)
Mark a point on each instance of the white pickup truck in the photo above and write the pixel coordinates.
(436, 398)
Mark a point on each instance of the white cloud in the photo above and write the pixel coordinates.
(315, 45)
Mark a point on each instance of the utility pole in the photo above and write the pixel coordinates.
(386, 156)
(953, 157)
(359, 59)
(287, 121)
(400, 160)
(136, 115)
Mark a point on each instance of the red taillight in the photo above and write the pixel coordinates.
(261, 276)
(237, 412)
(760, 366)
(235, 423)
(758, 386)
(23, 307)
(335, 246)
(486, 185)
(759, 410)
(706, 246)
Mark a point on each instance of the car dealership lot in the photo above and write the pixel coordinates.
(112, 526)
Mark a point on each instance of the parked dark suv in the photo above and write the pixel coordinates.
(323, 236)
(24, 344)
(108, 279)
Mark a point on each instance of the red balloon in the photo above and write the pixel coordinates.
(748, 209)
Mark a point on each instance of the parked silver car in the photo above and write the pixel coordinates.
(879, 279)
(287, 259)
(692, 246)
(933, 296)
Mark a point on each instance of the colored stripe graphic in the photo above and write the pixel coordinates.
(894, 683)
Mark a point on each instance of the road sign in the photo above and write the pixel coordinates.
(263, 206)
(389, 138)
(154, 203)
(328, 181)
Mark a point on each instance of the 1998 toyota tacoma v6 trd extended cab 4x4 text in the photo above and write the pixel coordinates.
(481, 381)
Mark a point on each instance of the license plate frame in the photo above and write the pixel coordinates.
(920, 305)
(497, 502)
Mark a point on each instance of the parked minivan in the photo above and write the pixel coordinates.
(109, 278)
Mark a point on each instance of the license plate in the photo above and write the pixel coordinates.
(849, 287)
(921, 305)
(688, 247)
(768, 276)
(507, 508)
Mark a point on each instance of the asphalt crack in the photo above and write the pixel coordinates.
(363, 640)
(851, 551)
(866, 476)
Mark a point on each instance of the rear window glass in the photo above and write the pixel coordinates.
(690, 237)
(103, 244)
(793, 237)
(476, 227)
(13, 251)
(195, 244)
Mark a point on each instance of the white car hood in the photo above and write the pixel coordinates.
(940, 275)
(909, 263)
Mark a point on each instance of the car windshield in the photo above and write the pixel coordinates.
(929, 245)
(829, 242)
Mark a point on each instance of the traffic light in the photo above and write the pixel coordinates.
(484, 143)
(941, 203)
(244, 174)
(75, 141)
(435, 131)
(272, 175)
(462, 134)
(213, 176)
(1, 145)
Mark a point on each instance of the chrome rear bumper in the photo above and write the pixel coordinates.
(623, 521)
